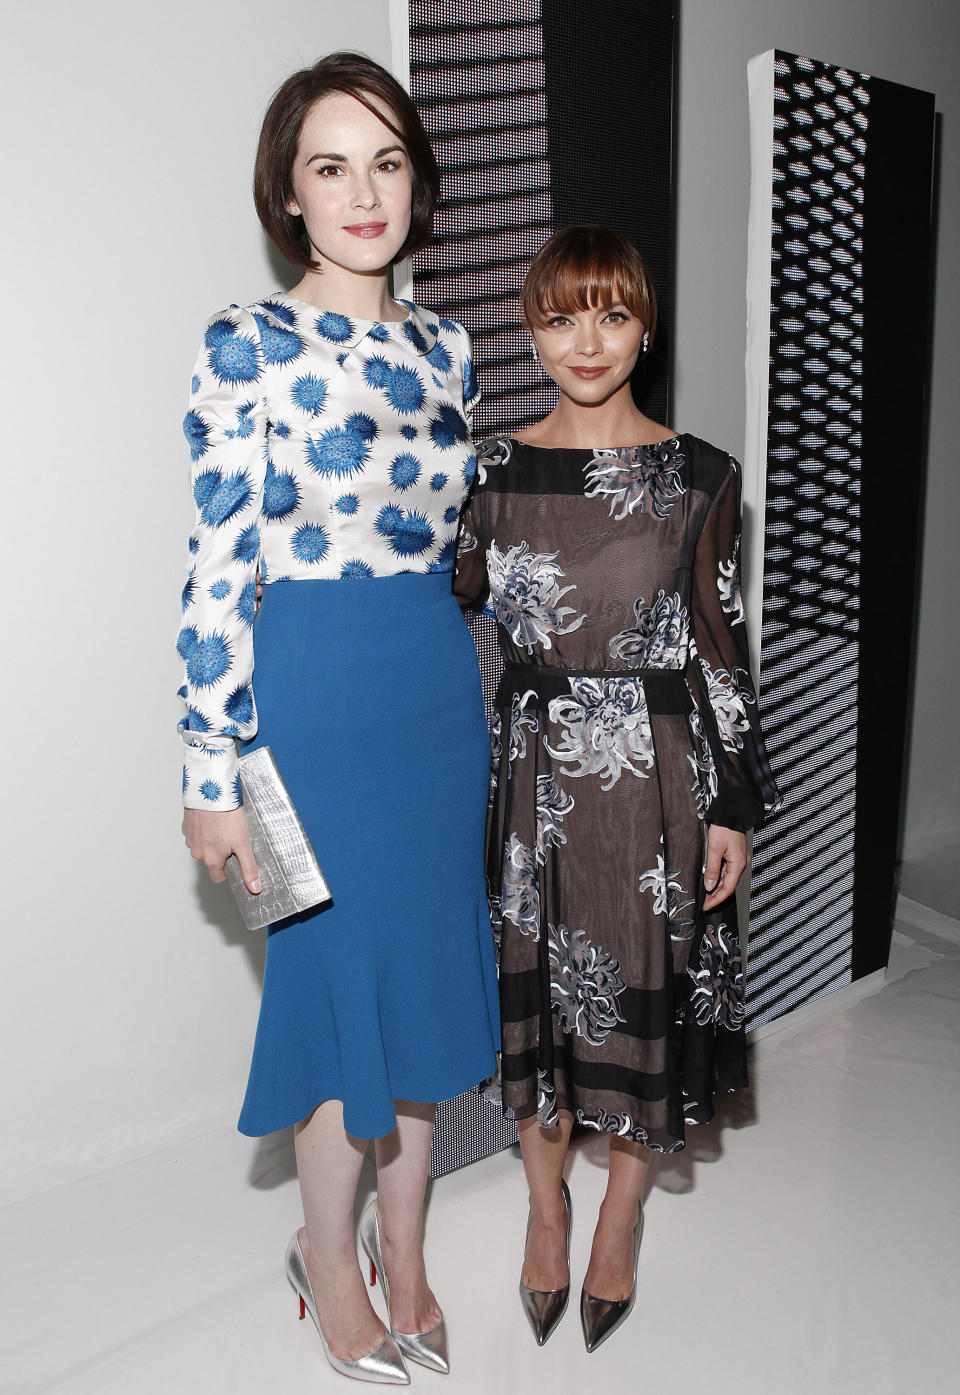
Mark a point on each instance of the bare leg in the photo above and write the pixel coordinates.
(328, 1163)
(610, 1271)
(403, 1160)
(544, 1153)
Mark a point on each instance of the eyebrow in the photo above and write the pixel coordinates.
(378, 155)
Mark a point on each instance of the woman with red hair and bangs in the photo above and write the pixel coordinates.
(583, 268)
(627, 767)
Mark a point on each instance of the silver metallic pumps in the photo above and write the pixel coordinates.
(599, 1317)
(545, 1307)
(385, 1364)
(427, 1348)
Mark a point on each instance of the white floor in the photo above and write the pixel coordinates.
(806, 1243)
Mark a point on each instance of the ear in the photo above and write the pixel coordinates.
(293, 208)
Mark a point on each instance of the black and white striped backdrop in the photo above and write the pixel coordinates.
(842, 179)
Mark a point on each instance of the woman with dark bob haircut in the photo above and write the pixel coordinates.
(330, 433)
(628, 766)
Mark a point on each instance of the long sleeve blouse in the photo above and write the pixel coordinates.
(322, 447)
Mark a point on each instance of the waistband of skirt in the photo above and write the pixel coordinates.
(665, 689)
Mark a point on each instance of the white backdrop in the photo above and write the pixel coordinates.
(128, 992)
(129, 996)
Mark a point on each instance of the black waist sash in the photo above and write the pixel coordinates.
(665, 689)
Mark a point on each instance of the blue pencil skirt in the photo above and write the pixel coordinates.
(368, 693)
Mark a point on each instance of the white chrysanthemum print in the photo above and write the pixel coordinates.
(659, 638)
(728, 587)
(553, 805)
(639, 478)
(718, 983)
(496, 921)
(467, 541)
(730, 694)
(520, 895)
(705, 783)
(670, 897)
(606, 729)
(526, 593)
(496, 451)
(522, 722)
(496, 742)
(496, 752)
(548, 1116)
(585, 984)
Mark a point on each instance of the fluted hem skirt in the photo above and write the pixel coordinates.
(368, 693)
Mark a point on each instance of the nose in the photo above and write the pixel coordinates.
(364, 193)
(587, 341)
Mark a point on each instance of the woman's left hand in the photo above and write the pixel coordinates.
(727, 856)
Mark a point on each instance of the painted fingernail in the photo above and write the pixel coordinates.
(256, 886)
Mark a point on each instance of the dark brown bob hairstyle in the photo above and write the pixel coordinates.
(357, 76)
(588, 268)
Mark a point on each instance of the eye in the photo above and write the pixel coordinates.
(557, 321)
(390, 165)
(328, 171)
(616, 317)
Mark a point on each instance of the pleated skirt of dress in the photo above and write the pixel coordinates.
(368, 693)
(621, 999)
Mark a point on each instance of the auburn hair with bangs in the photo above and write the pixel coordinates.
(362, 78)
(588, 268)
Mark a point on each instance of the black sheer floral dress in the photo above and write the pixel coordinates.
(625, 722)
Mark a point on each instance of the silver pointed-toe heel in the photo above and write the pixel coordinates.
(427, 1348)
(384, 1364)
(545, 1307)
(600, 1317)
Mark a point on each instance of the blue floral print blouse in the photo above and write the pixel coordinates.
(323, 447)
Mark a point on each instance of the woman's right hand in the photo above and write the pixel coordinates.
(212, 836)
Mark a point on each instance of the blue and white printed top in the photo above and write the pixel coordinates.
(323, 447)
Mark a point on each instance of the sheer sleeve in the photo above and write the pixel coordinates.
(470, 577)
(470, 583)
(739, 779)
(225, 428)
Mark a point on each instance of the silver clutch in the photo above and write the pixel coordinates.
(291, 876)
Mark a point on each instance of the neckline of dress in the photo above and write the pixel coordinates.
(593, 450)
(355, 319)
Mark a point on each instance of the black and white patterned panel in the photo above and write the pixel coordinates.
(469, 1128)
(477, 77)
(802, 886)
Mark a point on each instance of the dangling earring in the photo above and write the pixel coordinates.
(645, 342)
(536, 356)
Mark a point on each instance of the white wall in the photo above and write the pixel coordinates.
(129, 994)
(913, 44)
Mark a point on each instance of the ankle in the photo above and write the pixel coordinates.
(548, 1209)
(328, 1252)
(401, 1240)
(619, 1212)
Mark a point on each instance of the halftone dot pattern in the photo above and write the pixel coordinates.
(469, 1127)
